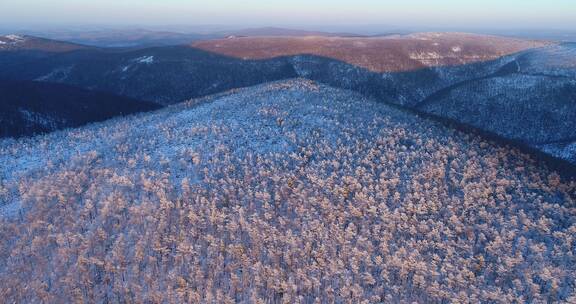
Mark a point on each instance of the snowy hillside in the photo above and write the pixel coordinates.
(285, 192)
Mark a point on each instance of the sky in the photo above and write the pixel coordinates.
(538, 14)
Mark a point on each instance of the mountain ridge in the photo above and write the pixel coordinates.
(14, 42)
(394, 53)
(167, 75)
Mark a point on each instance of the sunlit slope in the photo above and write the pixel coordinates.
(397, 53)
(284, 192)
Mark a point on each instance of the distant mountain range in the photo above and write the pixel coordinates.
(282, 32)
(129, 38)
(429, 167)
(395, 53)
(139, 38)
(522, 90)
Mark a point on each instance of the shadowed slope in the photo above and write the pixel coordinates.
(29, 108)
(164, 75)
(127, 37)
(532, 99)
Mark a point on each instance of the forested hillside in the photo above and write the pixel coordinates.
(289, 192)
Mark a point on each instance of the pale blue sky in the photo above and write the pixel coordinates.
(559, 14)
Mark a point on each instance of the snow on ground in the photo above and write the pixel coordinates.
(555, 60)
(145, 59)
(14, 37)
(10, 40)
(58, 74)
(425, 55)
(565, 151)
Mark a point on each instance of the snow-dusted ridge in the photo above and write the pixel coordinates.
(15, 38)
(145, 59)
(11, 40)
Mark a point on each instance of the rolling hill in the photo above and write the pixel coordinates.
(283, 192)
(464, 78)
(397, 53)
(181, 72)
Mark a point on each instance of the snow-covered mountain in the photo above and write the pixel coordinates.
(532, 100)
(284, 191)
